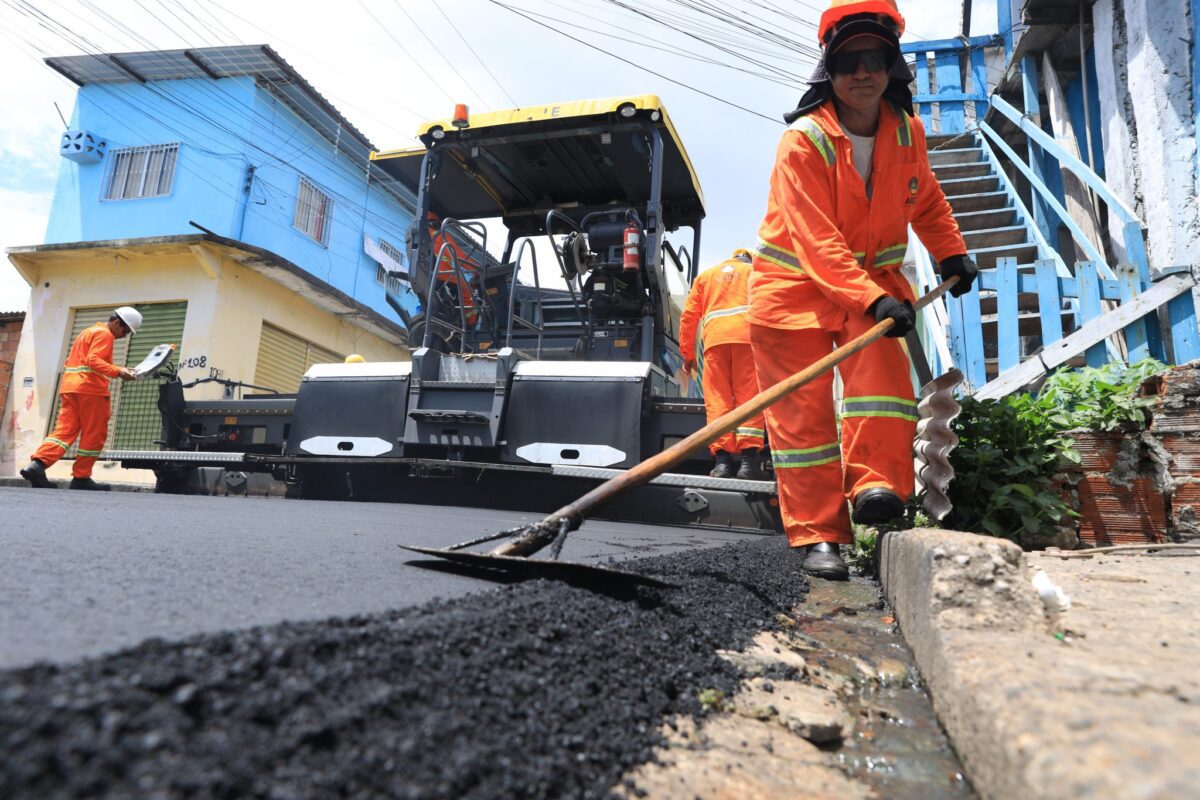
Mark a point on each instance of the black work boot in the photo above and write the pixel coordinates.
(751, 466)
(725, 467)
(35, 473)
(88, 484)
(877, 506)
(824, 560)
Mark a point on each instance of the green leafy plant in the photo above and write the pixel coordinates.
(861, 553)
(1007, 467)
(1100, 398)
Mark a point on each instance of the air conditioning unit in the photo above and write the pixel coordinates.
(82, 147)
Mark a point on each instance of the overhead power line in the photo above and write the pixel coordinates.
(688, 86)
(473, 52)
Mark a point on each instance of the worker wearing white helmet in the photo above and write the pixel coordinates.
(84, 405)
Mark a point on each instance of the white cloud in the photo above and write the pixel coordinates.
(370, 73)
(22, 221)
(943, 20)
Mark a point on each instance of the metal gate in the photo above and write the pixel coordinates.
(283, 358)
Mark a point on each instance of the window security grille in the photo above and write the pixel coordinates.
(388, 280)
(314, 212)
(391, 250)
(137, 172)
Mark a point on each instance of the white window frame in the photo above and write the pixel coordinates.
(138, 173)
(314, 212)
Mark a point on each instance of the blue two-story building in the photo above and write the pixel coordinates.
(218, 192)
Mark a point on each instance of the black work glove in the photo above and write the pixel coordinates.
(964, 268)
(903, 314)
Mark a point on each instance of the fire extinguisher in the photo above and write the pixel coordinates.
(631, 237)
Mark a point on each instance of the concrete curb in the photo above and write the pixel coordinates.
(1102, 700)
(968, 610)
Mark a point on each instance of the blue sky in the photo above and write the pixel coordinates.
(388, 64)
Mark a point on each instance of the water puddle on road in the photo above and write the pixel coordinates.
(852, 645)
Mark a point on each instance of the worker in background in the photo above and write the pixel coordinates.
(851, 174)
(714, 337)
(355, 358)
(445, 272)
(84, 405)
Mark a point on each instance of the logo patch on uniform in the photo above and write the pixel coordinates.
(912, 186)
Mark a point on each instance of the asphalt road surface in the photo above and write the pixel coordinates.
(88, 573)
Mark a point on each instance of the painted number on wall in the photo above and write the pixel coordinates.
(197, 362)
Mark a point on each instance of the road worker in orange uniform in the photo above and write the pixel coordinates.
(84, 402)
(445, 272)
(714, 337)
(851, 174)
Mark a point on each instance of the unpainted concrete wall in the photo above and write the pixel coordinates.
(1143, 65)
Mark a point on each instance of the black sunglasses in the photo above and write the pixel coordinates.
(847, 63)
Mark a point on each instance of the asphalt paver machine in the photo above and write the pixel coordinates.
(528, 382)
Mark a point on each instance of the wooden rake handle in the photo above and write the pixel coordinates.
(543, 533)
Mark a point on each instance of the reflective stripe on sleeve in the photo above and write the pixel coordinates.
(904, 132)
(778, 256)
(891, 255)
(817, 136)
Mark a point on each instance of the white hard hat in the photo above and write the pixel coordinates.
(131, 317)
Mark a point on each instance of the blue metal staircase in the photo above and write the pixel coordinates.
(1030, 312)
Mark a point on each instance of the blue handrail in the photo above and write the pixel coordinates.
(1132, 229)
(1048, 196)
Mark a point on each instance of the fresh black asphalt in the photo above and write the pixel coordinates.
(533, 690)
(88, 573)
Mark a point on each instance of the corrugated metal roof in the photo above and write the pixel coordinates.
(259, 61)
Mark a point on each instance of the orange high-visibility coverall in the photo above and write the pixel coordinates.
(714, 333)
(826, 253)
(444, 270)
(85, 406)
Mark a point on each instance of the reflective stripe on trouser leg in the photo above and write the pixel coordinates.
(66, 428)
(803, 434)
(94, 411)
(751, 434)
(718, 382)
(879, 415)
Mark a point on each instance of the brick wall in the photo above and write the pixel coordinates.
(1176, 426)
(10, 336)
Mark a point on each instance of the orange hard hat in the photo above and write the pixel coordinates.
(840, 9)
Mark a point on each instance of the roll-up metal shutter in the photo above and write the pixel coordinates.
(282, 360)
(319, 355)
(83, 319)
(138, 421)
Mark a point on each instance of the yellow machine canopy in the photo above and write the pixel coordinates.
(575, 157)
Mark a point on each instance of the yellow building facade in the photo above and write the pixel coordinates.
(236, 313)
